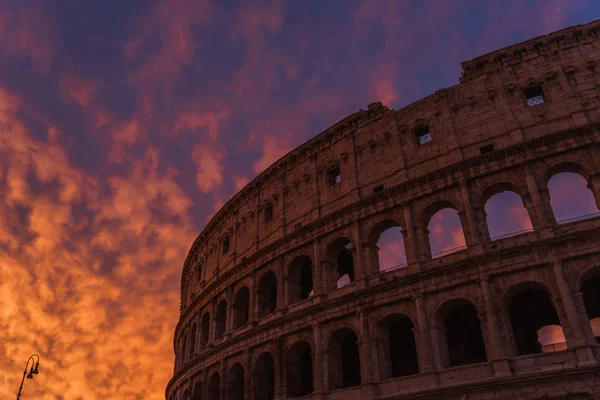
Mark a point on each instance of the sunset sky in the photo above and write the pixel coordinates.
(125, 125)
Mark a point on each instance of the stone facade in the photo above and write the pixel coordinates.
(262, 316)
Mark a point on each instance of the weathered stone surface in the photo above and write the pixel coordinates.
(243, 317)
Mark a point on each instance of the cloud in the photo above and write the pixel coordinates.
(192, 120)
(273, 148)
(209, 176)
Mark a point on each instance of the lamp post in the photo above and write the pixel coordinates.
(32, 371)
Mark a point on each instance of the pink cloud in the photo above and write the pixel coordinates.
(209, 176)
(273, 148)
(82, 91)
(192, 120)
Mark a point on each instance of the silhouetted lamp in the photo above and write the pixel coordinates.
(33, 370)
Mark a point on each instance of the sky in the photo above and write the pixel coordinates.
(125, 125)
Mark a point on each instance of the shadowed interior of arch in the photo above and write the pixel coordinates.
(241, 308)
(300, 279)
(267, 294)
(591, 299)
(264, 377)
(570, 197)
(213, 390)
(396, 347)
(506, 215)
(445, 232)
(530, 311)
(344, 265)
(197, 391)
(221, 319)
(235, 382)
(391, 253)
(204, 329)
(464, 338)
(193, 340)
(343, 359)
(299, 370)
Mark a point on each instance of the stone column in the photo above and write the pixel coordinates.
(249, 377)
(412, 256)
(534, 193)
(594, 185)
(229, 316)
(319, 370)
(371, 256)
(425, 354)
(360, 269)
(224, 381)
(497, 354)
(473, 229)
(368, 356)
(423, 238)
(584, 352)
(318, 287)
(212, 318)
(281, 278)
(253, 301)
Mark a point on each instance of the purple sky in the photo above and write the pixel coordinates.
(124, 125)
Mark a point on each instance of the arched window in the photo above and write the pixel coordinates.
(463, 334)
(235, 390)
(392, 253)
(264, 377)
(221, 319)
(267, 294)
(300, 279)
(445, 232)
(397, 347)
(591, 299)
(570, 197)
(241, 307)
(344, 359)
(530, 311)
(299, 370)
(506, 215)
(193, 340)
(186, 395)
(339, 253)
(197, 391)
(184, 342)
(204, 329)
(213, 390)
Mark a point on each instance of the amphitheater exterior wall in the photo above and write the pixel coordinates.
(485, 138)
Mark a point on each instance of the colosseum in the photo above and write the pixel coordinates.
(284, 294)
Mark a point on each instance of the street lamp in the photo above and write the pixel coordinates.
(32, 371)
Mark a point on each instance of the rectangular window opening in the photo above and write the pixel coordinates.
(377, 188)
(334, 177)
(534, 95)
(226, 245)
(423, 135)
(268, 212)
(488, 148)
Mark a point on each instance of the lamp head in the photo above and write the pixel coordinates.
(35, 369)
(30, 374)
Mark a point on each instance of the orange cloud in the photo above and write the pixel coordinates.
(192, 120)
(273, 148)
(80, 90)
(209, 176)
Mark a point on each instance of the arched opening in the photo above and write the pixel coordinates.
(264, 377)
(591, 299)
(184, 342)
(221, 319)
(193, 340)
(396, 347)
(241, 307)
(506, 215)
(213, 390)
(300, 279)
(344, 359)
(187, 395)
(299, 370)
(570, 197)
(267, 294)
(197, 391)
(530, 311)
(391, 253)
(463, 334)
(445, 232)
(339, 253)
(235, 389)
(204, 329)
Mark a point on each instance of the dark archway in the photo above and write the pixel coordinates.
(463, 334)
(397, 348)
(241, 307)
(531, 310)
(235, 389)
(197, 391)
(221, 319)
(186, 395)
(213, 390)
(184, 342)
(299, 370)
(267, 294)
(591, 299)
(300, 279)
(204, 329)
(344, 359)
(264, 377)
